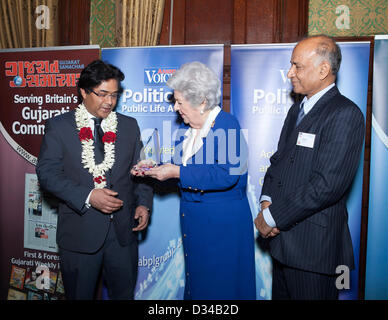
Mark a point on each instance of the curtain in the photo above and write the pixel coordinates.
(138, 22)
(28, 23)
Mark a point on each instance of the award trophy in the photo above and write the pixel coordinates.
(149, 154)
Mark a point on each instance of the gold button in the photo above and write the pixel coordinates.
(183, 214)
(184, 235)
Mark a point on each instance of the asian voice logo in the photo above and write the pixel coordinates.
(157, 76)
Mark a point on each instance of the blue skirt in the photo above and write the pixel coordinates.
(218, 243)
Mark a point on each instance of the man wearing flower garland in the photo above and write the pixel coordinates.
(100, 202)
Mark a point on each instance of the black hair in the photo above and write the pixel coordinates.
(95, 73)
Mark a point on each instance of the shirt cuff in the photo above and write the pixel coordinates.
(87, 204)
(265, 198)
(147, 208)
(268, 218)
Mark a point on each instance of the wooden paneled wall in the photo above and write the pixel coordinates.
(74, 22)
(206, 22)
(233, 22)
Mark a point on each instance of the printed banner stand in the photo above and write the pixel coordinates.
(376, 279)
(38, 83)
(260, 99)
(147, 98)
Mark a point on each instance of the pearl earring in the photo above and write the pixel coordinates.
(202, 112)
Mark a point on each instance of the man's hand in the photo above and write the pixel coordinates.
(265, 204)
(143, 215)
(105, 200)
(264, 229)
(274, 232)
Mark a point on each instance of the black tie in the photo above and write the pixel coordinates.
(300, 114)
(98, 144)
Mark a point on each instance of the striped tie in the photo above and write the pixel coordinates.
(301, 114)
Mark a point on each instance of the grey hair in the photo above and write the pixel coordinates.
(197, 83)
(327, 49)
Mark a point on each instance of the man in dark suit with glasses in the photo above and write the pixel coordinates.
(85, 160)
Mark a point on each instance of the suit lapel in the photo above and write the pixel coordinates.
(317, 110)
(309, 119)
(74, 137)
(109, 173)
(291, 123)
(76, 147)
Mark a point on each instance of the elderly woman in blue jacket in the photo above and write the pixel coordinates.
(216, 221)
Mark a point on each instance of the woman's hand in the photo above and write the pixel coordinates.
(163, 172)
(142, 166)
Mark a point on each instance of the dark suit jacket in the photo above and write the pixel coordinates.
(61, 172)
(309, 186)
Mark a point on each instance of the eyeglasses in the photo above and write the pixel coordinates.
(103, 95)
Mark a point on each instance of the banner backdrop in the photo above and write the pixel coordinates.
(36, 84)
(147, 98)
(376, 279)
(260, 99)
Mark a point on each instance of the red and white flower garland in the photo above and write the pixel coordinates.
(86, 137)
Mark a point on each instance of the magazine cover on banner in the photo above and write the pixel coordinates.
(147, 98)
(37, 84)
(260, 99)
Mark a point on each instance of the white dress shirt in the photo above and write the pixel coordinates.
(193, 141)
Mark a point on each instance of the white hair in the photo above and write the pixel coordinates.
(197, 83)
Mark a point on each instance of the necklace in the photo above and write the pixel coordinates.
(86, 137)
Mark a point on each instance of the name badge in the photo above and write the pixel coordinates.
(305, 140)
